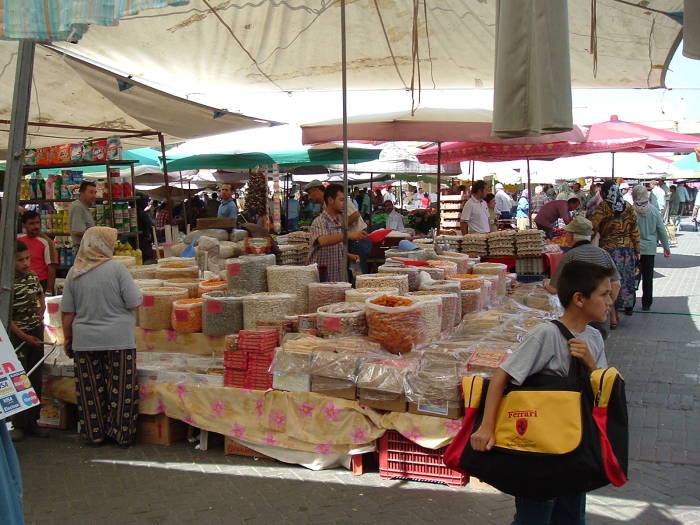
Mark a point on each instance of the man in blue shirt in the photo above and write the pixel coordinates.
(228, 207)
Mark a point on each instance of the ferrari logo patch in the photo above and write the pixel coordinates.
(521, 426)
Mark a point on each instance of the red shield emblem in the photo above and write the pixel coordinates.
(521, 426)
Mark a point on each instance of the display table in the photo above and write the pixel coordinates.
(303, 421)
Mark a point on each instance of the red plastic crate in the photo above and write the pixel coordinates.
(234, 378)
(402, 458)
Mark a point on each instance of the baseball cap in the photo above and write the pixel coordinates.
(624, 186)
(313, 184)
(407, 246)
(499, 186)
(579, 225)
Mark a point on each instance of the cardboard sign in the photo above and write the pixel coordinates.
(331, 323)
(16, 392)
(214, 307)
(148, 300)
(234, 269)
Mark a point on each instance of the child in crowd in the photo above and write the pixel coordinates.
(27, 327)
(585, 292)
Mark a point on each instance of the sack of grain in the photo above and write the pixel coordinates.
(249, 272)
(321, 294)
(176, 270)
(293, 280)
(191, 285)
(156, 308)
(360, 295)
(211, 286)
(147, 271)
(222, 312)
(341, 320)
(394, 322)
(411, 272)
(186, 316)
(265, 306)
(383, 280)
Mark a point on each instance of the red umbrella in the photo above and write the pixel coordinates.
(657, 140)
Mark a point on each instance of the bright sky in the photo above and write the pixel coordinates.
(681, 102)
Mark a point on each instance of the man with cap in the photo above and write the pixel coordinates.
(625, 190)
(578, 234)
(504, 204)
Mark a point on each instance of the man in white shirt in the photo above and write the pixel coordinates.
(475, 215)
(626, 193)
(504, 204)
(389, 195)
(394, 220)
(660, 195)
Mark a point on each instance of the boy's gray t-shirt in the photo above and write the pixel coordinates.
(101, 300)
(546, 350)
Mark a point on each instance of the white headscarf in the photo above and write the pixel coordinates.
(640, 196)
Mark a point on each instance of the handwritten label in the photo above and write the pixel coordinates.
(52, 308)
(181, 315)
(331, 323)
(234, 269)
(149, 300)
(214, 307)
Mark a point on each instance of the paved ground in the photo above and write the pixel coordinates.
(657, 352)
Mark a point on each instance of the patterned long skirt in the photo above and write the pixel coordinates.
(106, 383)
(625, 262)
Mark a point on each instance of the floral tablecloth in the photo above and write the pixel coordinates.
(295, 420)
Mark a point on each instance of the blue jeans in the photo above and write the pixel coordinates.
(564, 510)
(293, 224)
(362, 248)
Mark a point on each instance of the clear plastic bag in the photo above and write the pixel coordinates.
(336, 364)
(293, 280)
(472, 301)
(430, 385)
(211, 286)
(321, 294)
(341, 320)
(383, 280)
(385, 374)
(265, 306)
(156, 308)
(395, 322)
(464, 262)
(191, 285)
(432, 312)
(291, 362)
(451, 308)
(436, 273)
(493, 269)
(360, 295)
(222, 312)
(176, 270)
(468, 281)
(186, 316)
(147, 271)
(411, 272)
(249, 272)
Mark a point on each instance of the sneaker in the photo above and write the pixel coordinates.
(17, 434)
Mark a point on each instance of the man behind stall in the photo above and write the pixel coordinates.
(43, 256)
(79, 214)
(551, 212)
(394, 220)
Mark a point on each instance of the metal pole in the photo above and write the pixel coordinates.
(189, 196)
(472, 167)
(439, 170)
(13, 173)
(165, 177)
(529, 196)
(371, 196)
(344, 60)
(613, 165)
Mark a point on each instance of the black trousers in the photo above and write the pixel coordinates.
(646, 265)
(29, 356)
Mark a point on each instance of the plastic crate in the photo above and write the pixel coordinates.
(402, 458)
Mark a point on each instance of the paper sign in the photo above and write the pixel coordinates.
(52, 308)
(331, 323)
(148, 300)
(214, 307)
(234, 269)
(181, 315)
(16, 392)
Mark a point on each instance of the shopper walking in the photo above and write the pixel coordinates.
(27, 334)
(99, 297)
(523, 211)
(651, 231)
(616, 223)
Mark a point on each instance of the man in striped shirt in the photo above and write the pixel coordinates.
(579, 232)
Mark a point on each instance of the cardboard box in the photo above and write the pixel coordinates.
(379, 400)
(329, 386)
(291, 382)
(442, 408)
(232, 448)
(160, 429)
(57, 414)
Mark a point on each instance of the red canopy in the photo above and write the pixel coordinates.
(494, 152)
(657, 140)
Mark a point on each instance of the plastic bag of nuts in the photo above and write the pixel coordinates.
(321, 294)
(341, 319)
(394, 322)
(155, 310)
(222, 312)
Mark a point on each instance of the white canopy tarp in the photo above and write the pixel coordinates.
(294, 45)
(75, 93)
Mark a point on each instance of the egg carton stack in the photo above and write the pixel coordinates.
(475, 244)
(529, 242)
(454, 242)
(300, 242)
(294, 254)
(502, 243)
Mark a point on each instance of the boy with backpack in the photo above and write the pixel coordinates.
(585, 292)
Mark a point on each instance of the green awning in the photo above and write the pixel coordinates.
(243, 161)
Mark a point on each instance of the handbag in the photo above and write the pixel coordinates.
(554, 436)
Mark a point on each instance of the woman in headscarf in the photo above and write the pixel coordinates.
(99, 298)
(651, 231)
(523, 210)
(616, 223)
